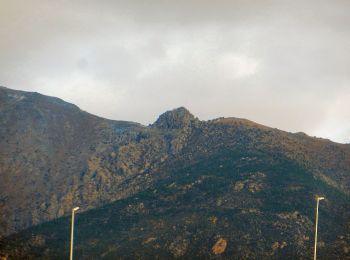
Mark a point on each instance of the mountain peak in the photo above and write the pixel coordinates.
(174, 119)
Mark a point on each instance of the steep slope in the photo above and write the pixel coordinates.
(227, 169)
(237, 205)
(58, 156)
(47, 150)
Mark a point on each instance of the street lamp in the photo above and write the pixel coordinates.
(318, 202)
(72, 233)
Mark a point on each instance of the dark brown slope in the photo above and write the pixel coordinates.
(47, 149)
(227, 191)
(54, 156)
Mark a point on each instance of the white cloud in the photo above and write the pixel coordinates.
(336, 124)
(235, 66)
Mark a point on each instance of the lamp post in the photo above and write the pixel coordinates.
(318, 202)
(72, 233)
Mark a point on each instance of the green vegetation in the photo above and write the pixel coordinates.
(260, 204)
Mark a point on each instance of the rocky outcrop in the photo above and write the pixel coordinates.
(175, 119)
(53, 156)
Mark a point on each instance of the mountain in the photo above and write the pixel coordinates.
(181, 187)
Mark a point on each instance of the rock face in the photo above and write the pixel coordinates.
(175, 119)
(172, 189)
(50, 158)
(219, 246)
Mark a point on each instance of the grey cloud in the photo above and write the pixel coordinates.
(281, 63)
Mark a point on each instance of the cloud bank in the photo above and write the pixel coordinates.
(285, 64)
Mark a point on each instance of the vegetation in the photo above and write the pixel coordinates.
(179, 188)
(260, 205)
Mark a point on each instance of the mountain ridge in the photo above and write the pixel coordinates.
(225, 120)
(59, 156)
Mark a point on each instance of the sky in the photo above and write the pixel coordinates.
(285, 64)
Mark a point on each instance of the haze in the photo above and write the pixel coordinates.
(285, 64)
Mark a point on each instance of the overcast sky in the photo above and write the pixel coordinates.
(285, 64)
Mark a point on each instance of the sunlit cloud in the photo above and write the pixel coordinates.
(336, 124)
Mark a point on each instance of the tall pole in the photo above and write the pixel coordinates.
(72, 233)
(316, 225)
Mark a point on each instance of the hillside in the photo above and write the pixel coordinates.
(172, 189)
(47, 147)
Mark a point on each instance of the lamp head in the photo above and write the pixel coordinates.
(320, 198)
(75, 209)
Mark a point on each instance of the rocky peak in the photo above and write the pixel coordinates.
(174, 119)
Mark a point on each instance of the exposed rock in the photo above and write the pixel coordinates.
(149, 240)
(179, 178)
(238, 186)
(213, 219)
(219, 247)
(175, 119)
